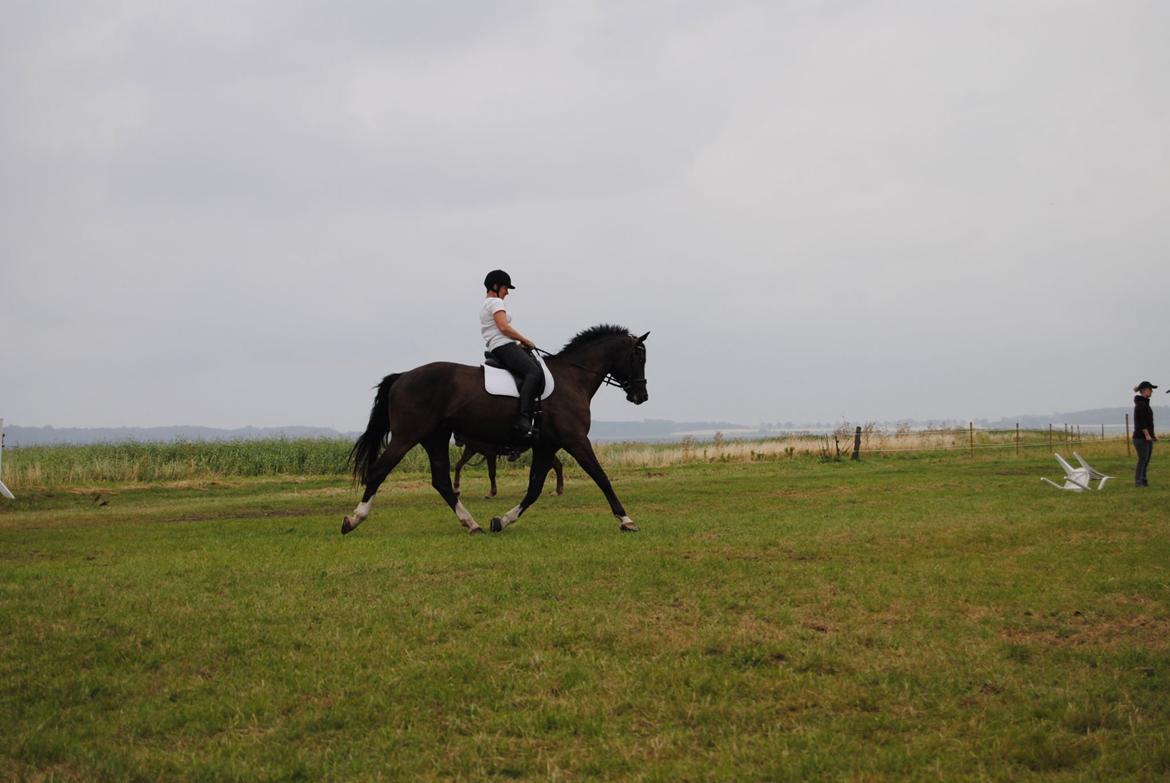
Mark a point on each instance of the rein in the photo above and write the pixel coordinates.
(607, 379)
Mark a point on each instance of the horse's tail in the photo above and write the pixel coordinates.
(369, 444)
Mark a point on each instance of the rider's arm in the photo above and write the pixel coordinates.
(501, 319)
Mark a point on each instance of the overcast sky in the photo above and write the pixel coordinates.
(232, 213)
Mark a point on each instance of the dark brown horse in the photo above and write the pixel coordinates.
(490, 453)
(428, 403)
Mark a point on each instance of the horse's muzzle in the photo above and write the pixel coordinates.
(638, 397)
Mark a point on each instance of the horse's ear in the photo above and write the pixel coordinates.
(642, 339)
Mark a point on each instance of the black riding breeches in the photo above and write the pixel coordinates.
(519, 362)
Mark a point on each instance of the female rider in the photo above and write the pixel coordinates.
(503, 342)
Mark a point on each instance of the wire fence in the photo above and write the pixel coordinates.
(858, 441)
(869, 441)
(150, 463)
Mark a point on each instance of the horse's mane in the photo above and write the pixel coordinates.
(586, 336)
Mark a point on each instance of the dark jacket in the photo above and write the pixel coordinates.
(1143, 417)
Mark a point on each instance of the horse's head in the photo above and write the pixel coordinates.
(618, 358)
(630, 370)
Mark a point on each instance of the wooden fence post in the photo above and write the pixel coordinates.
(1050, 437)
(1125, 435)
(857, 444)
(972, 428)
(1017, 439)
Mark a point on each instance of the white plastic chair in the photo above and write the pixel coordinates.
(1078, 479)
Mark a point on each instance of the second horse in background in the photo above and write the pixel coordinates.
(490, 453)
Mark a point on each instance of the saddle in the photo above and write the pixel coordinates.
(499, 381)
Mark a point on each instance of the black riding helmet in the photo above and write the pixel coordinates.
(497, 278)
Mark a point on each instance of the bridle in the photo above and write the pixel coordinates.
(608, 378)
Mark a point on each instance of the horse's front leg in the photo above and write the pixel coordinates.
(541, 459)
(582, 451)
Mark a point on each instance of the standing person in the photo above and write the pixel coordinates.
(1143, 431)
(504, 342)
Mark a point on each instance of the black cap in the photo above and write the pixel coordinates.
(497, 277)
(1145, 385)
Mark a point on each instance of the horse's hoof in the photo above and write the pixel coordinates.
(474, 530)
(346, 526)
(628, 527)
(496, 527)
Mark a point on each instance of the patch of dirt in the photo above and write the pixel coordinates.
(979, 613)
(252, 513)
(754, 555)
(203, 484)
(325, 492)
(809, 494)
(1143, 630)
(18, 770)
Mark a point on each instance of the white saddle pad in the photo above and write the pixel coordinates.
(499, 381)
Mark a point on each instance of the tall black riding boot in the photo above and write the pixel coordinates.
(522, 364)
(523, 425)
(528, 392)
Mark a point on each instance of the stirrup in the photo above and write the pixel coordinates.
(525, 427)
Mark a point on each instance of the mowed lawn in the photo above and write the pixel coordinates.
(928, 618)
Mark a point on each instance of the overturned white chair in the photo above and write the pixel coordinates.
(1079, 479)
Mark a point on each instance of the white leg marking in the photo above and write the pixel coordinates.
(625, 523)
(510, 517)
(464, 515)
(361, 512)
(359, 515)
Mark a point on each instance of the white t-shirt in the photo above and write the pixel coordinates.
(492, 336)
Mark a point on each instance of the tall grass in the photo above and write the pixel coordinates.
(33, 466)
(64, 465)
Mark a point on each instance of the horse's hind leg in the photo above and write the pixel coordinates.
(390, 458)
(490, 456)
(464, 458)
(560, 471)
(436, 447)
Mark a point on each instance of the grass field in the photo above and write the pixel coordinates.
(907, 617)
